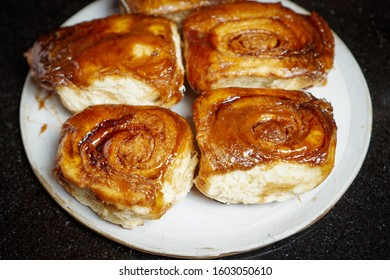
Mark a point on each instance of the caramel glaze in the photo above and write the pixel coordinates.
(239, 128)
(89, 51)
(255, 39)
(162, 7)
(122, 153)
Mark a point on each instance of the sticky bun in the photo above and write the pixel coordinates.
(176, 10)
(256, 45)
(120, 59)
(127, 163)
(262, 145)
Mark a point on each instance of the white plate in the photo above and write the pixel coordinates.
(199, 227)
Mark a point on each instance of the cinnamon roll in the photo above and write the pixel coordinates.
(127, 163)
(120, 59)
(176, 10)
(253, 44)
(262, 145)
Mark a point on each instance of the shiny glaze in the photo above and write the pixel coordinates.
(121, 153)
(239, 128)
(161, 7)
(254, 39)
(119, 46)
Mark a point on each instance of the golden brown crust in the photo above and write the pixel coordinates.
(121, 154)
(163, 7)
(240, 128)
(267, 42)
(117, 46)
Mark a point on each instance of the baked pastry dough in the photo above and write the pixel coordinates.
(176, 10)
(256, 45)
(121, 59)
(127, 163)
(262, 145)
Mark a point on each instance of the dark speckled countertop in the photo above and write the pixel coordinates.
(34, 226)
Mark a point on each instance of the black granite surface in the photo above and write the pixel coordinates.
(34, 226)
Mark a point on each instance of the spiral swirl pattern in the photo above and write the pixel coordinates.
(239, 128)
(266, 42)
(122, 153)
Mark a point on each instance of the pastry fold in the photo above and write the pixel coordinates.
(120, 59)
(262, 145)
(127, 163)
(251, 44)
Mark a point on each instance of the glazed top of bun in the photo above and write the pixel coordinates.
(122, 153)
(119, 45)
(238, 128)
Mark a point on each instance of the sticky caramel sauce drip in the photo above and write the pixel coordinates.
(243, 131)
